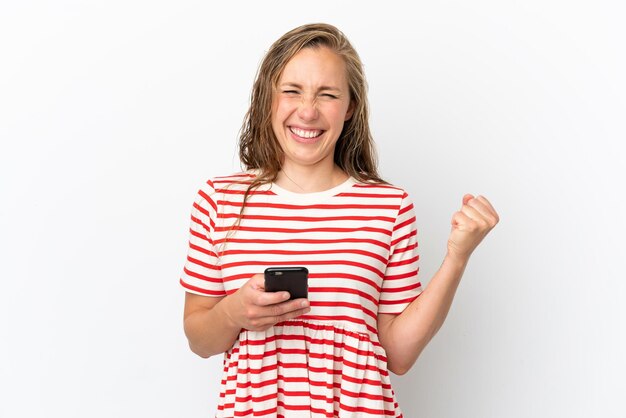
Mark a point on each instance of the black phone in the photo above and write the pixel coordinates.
(294, 280)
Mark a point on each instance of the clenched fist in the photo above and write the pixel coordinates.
(470, 225)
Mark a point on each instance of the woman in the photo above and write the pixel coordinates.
(311, 196)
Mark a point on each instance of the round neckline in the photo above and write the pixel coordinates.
(314, 196)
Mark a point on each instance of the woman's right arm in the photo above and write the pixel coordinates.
(212, 324)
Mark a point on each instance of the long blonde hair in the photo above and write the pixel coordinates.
(258, 147)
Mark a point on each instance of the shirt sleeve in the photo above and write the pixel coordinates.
(401, 284)
(202, 273)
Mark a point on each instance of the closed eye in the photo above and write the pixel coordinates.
(332, 96)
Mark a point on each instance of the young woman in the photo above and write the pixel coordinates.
(311, 196)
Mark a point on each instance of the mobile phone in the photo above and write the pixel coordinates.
(294, 280)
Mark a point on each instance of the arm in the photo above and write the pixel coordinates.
(404, 336)
(212, 324)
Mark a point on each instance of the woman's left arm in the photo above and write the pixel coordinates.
(404, 336)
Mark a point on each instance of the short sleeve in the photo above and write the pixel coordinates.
(400, 284)
(202, 273)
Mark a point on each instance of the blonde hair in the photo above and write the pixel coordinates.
(258, 147)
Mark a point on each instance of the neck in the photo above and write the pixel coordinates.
(299, 179)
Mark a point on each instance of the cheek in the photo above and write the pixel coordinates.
(338, 115)
(283, 108)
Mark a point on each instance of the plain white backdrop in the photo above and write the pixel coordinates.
(113, 113)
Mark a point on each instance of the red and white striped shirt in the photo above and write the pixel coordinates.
(358, 242)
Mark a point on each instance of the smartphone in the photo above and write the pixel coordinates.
(294, 280)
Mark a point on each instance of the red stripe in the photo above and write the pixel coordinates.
(208, 199)
(199, 222)
(311, 369)
(404, 223)
(201, 276)
(404, 237)
(405, 209)
(377, 186)
(200, 290)
(403, 262)
(284, 379)
(372, 195)
(247, 276)
(305, 407)
(308, 252)
(198, 235)
(335, 303)
(307, 218)
(247, 413)
(407, 248)
(300, 207)
(203, 264)
(361, 294)
(303, 230)
(397, 301)
(202, 250)
(314, 326)
(308, 262)
(312, 382)
(237, 177)
(403, 288)
(364, 410)
(306, 241)
(408, 274)
(346, 276)
(254, 192)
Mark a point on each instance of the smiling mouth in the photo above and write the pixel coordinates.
(306, 133)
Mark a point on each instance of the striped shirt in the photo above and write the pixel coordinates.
(358, 242)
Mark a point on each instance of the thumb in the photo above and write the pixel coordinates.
(257, 282)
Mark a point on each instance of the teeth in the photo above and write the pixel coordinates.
(305, 134)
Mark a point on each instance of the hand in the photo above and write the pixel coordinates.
(470, 225)
(254, 309)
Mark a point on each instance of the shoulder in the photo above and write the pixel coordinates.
(388, 194)
(233, 182)
(382, 190)
(226, 184)
(217, 188)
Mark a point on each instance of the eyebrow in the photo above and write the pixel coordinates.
(298, 86)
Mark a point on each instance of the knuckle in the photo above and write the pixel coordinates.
(250, 312)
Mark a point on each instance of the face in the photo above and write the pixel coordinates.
(310, 105)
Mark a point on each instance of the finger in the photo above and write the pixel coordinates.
(292, 310)
(472, 213)
(483, 209)
(289, 307)
(467, 198)
(459, 218)
(271, 298)
(257, 295)
(486, 202)
(293, 314)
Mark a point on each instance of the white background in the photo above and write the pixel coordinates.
(112, 113)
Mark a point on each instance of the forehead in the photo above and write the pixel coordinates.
(315, 67)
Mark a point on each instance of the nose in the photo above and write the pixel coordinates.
(307, 110)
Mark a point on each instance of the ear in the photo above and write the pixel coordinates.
(350, 111)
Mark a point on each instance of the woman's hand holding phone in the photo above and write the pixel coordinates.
(254, 309)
